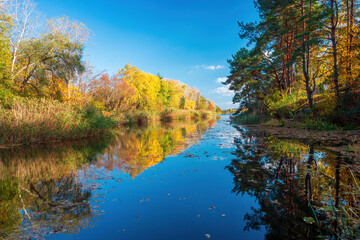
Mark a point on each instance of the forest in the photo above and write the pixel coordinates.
(301, 65)
(49, 92)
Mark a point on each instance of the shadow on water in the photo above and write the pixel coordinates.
(49, 189)
(304, 192)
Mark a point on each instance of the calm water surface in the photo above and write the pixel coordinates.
(181, 181)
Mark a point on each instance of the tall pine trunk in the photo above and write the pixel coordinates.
(334, 23)
(306, 57)
(350, 8)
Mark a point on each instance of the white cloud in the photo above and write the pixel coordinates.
(224, 91)
(209, 67)
(221, 80)
(214, 67)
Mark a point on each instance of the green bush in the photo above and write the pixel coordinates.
(283, 105)
(6, 97)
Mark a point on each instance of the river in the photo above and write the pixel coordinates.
(198, 180)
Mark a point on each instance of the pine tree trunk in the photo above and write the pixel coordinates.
(306, 58)
(334, 17)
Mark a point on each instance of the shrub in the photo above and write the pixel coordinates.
(6, 97)
(168, 115)
(282, 106)
(325, 108)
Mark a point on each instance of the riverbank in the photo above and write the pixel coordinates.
(40, 121)
(167, 115)
(346, 142)
(30, 121)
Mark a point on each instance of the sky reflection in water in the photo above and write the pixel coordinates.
(183, 181)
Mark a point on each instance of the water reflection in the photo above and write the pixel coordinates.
(293, 182)
(50, 189)
(40, 190)
(135, 150)
(62, 188)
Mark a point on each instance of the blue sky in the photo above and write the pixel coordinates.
(186, 40)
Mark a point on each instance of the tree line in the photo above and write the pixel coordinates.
(43, 58)
(302, 57)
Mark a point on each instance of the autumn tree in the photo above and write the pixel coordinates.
(332, 24)
(348, 43)
(113, 92)
(47, 59)
(5, 51)
(309, 48)
(299, 50)
(26, 24)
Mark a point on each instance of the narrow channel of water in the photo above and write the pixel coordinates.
(181, 181)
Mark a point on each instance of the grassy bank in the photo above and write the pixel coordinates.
(303, 123)
(27, 121)
(167, 115)
(292, 110)
(34, 121)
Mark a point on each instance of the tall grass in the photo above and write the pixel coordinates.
(171, 114)
(32, 120)
(166, 115)
(317, 124)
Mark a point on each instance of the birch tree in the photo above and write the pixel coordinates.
(26, 24)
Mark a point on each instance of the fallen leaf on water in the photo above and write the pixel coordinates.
(212, 207)
(223, 215)
(208, 236)
(146, 199)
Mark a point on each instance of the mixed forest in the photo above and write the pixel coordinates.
(49, 92)
(301, 63)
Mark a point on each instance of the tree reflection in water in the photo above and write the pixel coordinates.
(135, 150)
(49, 189)
(286, 177)
(41, 191)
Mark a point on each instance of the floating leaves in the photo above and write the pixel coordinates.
(145, 199)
